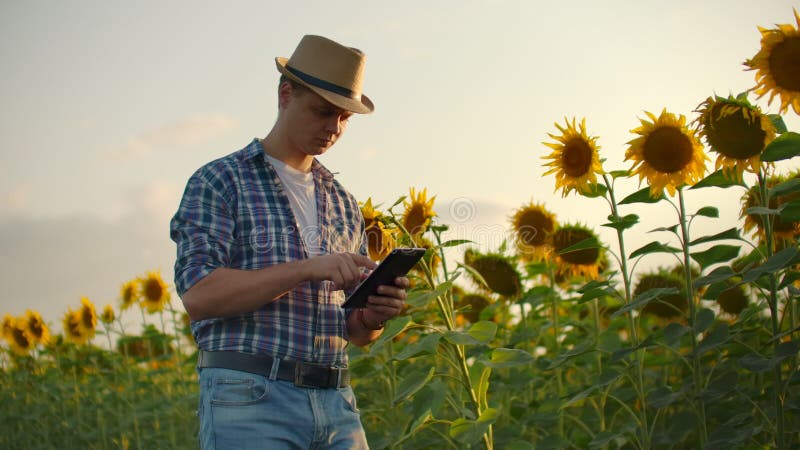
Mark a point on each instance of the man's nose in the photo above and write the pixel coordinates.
(335, 125)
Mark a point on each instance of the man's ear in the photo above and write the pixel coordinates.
(284, 94)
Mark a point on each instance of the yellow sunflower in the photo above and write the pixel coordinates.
(418, 212)
(8, 324)
(154, 292)
(666, 152)
(666, 306)
(736, 130)
(369, 213)
(575, 160)
(129, 294)
(19, 338)
(88, 317)
(581, 263)
(753, 223)
(37, 329)
(380, 240)
(108, 315)
(499, 273)
(777, 65)
(73, 331)
(533, 225)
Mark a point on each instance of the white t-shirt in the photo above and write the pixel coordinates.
(299, 187)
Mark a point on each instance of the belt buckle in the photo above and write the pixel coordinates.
(301, 371)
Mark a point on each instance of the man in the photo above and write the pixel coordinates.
(267, 244)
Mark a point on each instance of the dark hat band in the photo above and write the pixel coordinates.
(320, 83)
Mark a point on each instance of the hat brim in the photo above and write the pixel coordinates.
(362, 106)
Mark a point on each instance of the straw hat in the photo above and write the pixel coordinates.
(333, 71)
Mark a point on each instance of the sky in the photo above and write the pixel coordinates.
(109, 106)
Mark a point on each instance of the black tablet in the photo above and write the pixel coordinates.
(397, 264)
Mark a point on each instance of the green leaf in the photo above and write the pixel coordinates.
(578, 397)
(756, 363)
(508, 357)
(460, 338)
(654, 247)
(785, 146)
(722, 273)
(786, 187)
(673, 332)
(587, 243)
(536, 295)
(578, 350)
(421, 298)
(705, 317)
(790, 211)
(717, 337)
(785, 350)
(594, 190)
(592, 294)
(731, 233)
(483, 331)
(716, 254)
(428, 344)
(412, 383)
(642, 196)
(622, 223)
(619, 173)
(663, 396)
(776, 262)
(720, 179)
(708, 211)
(778, 123)
(393, 328)
(644, 298)
(454, 242)
(673, 229)
(470, 431)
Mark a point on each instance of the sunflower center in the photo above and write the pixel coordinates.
(576, 158)
(499, 275)
(667, 150)
(736, 136)
(375, 238)
(564, 239)
(87, 318)
(152, 290)
(534, 226)
(784, 64)
(36, 327)
(415, 221)
(20, 338)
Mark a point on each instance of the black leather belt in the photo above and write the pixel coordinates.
(301, 374)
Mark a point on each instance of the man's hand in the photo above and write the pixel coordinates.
(343, 269)
(387, 305)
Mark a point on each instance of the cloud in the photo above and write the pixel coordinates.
(182, 133)
(49, 263)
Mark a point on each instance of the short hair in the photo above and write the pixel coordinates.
(297, 88)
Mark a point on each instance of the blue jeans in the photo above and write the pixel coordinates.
(240, 410)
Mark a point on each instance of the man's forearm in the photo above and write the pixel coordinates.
(229, 292)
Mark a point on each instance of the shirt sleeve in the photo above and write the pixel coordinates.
(202, 228)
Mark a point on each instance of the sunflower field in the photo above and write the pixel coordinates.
(554, 339)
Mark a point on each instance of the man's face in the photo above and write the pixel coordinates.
(313, 123)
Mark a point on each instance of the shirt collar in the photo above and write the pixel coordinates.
(255, 149)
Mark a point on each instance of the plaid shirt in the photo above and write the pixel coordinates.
(235, 213)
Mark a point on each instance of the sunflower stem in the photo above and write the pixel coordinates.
(773, 308)
(626, 280)
(687, 273)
